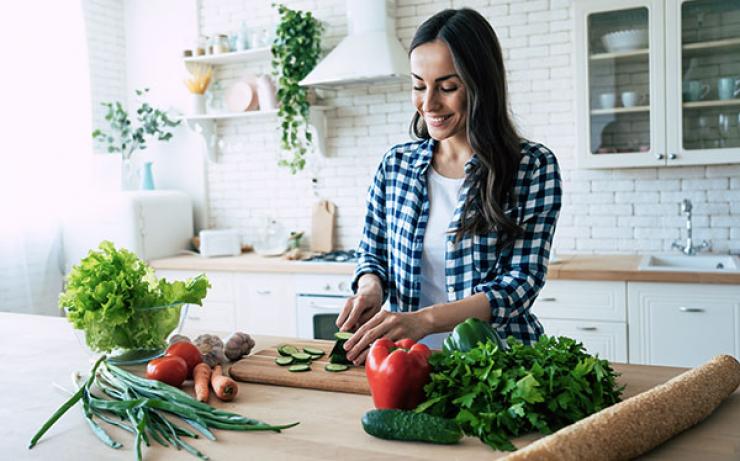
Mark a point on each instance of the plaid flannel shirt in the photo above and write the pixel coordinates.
(396, 218)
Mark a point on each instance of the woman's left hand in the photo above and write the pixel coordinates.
(384, 324)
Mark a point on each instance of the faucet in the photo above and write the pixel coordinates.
(689, 249)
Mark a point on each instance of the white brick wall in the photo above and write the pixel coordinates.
(624, 211)
(106, 46)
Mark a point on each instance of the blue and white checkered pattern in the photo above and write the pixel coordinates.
(397, 215)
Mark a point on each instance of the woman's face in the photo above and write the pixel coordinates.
(438, 92)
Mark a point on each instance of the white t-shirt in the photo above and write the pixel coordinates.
(443, 197)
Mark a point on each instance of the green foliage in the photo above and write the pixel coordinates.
(295, 52)
(116, 299)
(126, 139)
(496, 395)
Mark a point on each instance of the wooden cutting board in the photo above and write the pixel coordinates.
(260, 367)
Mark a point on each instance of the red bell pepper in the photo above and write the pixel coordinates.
(397, 373)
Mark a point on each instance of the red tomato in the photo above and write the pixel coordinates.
(171, 370)
(186, 351)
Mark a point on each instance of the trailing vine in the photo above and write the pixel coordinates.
(295, 52)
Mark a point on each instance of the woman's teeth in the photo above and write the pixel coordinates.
(435, 121)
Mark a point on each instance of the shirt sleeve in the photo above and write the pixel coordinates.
(373, 248)
(523, 266)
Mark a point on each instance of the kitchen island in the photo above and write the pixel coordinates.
(39, 351)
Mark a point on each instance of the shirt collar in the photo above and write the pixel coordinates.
(424, 154)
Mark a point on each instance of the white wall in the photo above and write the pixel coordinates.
(628, 210)
(156, 33)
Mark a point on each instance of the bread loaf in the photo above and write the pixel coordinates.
(641, 423)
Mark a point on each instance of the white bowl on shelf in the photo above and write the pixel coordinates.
(625, 40)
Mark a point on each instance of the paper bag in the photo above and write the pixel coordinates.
(322, 226)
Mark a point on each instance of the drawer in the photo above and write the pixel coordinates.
(607, 339)
(222, 283)
(213, 317)
(571, 299)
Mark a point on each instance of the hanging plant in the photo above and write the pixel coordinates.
(295, 52)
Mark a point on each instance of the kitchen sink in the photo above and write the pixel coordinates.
(696, 263)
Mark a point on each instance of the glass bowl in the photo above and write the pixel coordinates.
(122, 356)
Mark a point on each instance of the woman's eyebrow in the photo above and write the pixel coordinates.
(439, 79)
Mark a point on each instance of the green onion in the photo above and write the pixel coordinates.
(140, 405)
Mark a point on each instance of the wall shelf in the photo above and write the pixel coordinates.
(255, 54)
(205, 125)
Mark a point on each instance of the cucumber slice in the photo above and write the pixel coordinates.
(282, 361)
(299, 367)
(343, 335)
(336, 367)
(301, 357)
(315, 357)
(287, 350)
(313, 351)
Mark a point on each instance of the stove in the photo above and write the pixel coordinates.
(338, 256)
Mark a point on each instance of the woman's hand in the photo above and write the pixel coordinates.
(361, 307)
(391, 325)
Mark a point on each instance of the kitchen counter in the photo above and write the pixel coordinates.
(566, 267)
(38, 351)
(250, 262)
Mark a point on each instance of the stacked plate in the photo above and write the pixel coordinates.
(242, 95)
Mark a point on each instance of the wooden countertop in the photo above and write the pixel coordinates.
(38, 351)
(566, 267)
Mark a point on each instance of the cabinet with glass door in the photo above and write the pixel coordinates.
(658, 82)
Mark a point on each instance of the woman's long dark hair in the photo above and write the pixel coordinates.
(479, 63)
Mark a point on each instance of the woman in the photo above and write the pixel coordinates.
(458, 224)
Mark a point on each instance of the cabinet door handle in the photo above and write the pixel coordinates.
(548, 300)
(586, 328)
(690, 309)
(672, 156)
(659, 156)
(263, 292)
(327, 307)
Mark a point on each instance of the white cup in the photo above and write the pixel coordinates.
(630, 99)
(607, 100)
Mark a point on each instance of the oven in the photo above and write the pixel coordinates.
(319, 300)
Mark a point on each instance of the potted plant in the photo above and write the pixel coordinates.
(123, 137)
(295, 52)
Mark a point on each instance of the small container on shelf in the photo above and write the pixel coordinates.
(220, 44)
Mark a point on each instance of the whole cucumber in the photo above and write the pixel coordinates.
(411, 426)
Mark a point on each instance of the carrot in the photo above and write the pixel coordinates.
(224, 387)
(201, 378)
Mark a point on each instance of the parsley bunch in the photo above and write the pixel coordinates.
(497, 395)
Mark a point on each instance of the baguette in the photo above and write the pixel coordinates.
(641, 423)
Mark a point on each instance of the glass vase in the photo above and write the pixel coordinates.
(129, 173)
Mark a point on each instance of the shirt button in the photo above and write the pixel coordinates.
(450, 289)
(450, 246)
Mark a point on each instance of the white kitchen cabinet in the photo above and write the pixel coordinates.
(218, 313)
(591, 312)
(266, 304)
(670, 55)
(682, 324)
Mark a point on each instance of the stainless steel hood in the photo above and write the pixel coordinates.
(371, 51)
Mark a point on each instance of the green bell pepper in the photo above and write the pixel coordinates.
(469, 333)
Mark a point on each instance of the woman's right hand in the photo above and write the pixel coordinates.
(361, 307)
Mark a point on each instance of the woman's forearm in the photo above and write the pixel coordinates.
(440, 318)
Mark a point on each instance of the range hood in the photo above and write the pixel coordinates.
(371, 51)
